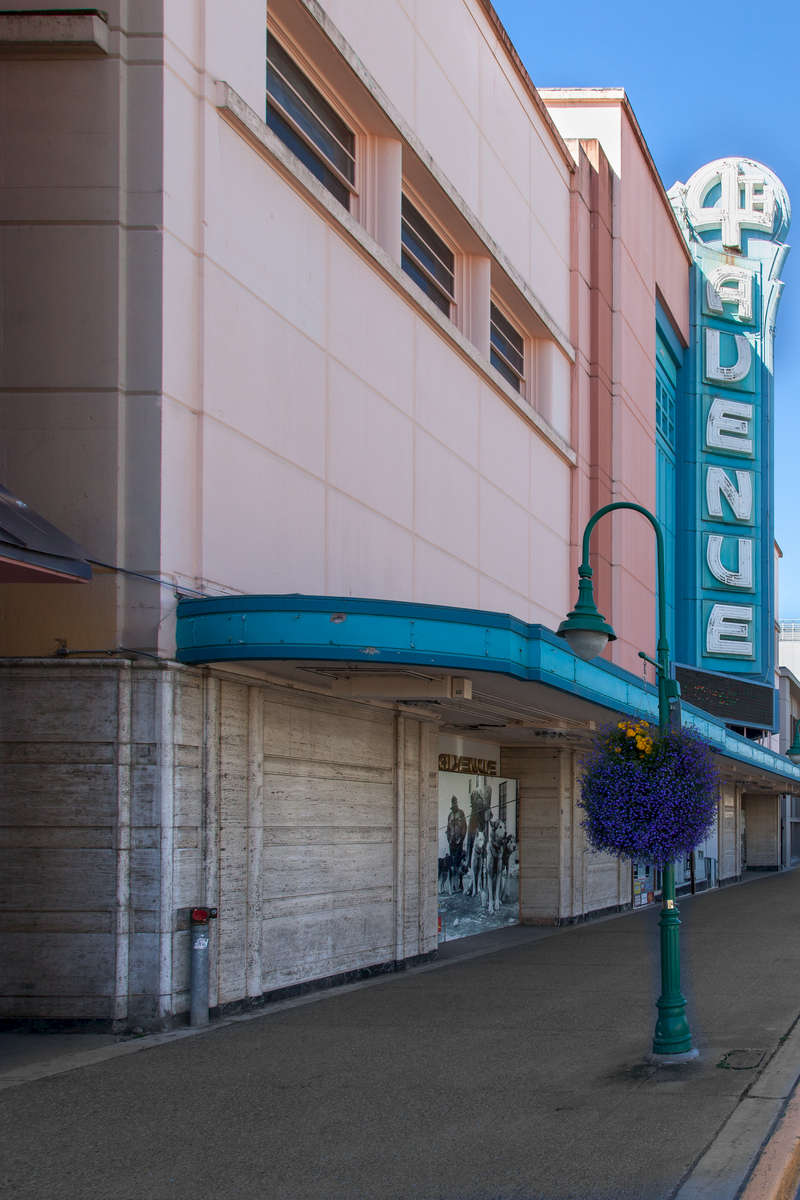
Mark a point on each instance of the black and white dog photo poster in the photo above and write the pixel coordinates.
(478, 854)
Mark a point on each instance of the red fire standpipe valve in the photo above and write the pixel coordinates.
(199, 917)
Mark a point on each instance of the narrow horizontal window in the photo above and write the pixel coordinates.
(506, 349)
(306, 123)
(426, 258)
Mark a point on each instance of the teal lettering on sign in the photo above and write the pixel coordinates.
(735, 215)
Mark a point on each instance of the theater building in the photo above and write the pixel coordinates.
(327, 380)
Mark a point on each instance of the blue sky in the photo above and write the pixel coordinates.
(704, 82)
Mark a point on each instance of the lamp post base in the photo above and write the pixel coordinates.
(670, 1060)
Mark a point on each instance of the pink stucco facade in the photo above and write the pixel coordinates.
(632, 256)
(224, 381)
(317, 426)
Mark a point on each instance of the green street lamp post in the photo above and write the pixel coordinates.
(587, 633)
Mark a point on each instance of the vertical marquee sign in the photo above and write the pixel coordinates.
(735, 214)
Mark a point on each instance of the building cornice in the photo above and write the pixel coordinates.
(617, 97)
(527, 82)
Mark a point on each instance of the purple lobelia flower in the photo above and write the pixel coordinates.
(648, 796)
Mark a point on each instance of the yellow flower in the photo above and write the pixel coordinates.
(631, 732)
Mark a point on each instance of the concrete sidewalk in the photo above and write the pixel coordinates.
(511, 1068)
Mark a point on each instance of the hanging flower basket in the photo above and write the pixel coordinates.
(646, 796)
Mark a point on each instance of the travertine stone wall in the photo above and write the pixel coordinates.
(728, 828)
(130, 793)
(561, 878)
(762, 829)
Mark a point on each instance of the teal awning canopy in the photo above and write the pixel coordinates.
(359, 632)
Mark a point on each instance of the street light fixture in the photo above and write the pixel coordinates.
(587, 632)
(794, 750)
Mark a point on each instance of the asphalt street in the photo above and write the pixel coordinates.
(517, 1073)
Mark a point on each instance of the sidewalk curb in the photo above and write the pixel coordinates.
(764, 1127)
(777, 1172)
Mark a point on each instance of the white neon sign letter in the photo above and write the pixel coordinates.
(728, 630)
(730, 285)
(733, 374)
(738, 495)
(728, 425)
(743, 578)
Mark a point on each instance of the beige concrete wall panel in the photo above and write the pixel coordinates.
(384, 360)
(182, 356)
(145, 797)
(288, 274)
(289, 554)
(275, 362)
(58, 1008)
(210, 796)
(38, 795)
(727, 826)
(636, 219)
(142, 127)
(549, 572)
(188, 795)
(328, 942)
(551, 479)
(322, 771)
(235, 44)
(549, 272)
(41, 433)
(361, 425)
(634, 602)
(184, 113)
(143, 973)
(446, 499)
(505, 449)
(256, 839)
(604, 888)
(46, 966)
(762, 830)
(187, 883)
(61, 126)
(505, 212)
(366, 553)
(233, 816)
(504, 524)
(42, 879)
(363, 862)
(145, 718)
(385, 40)
(145, 878)
(429, 815)
(549, 194)
(441, 578)
(447, 394)
(76, 709)
(325, 731)
(145, 270)
(65, 299)
(636, 302)
(541, 782)
(504, 123)
(181, 539)
(439, 110)
(334, 803)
